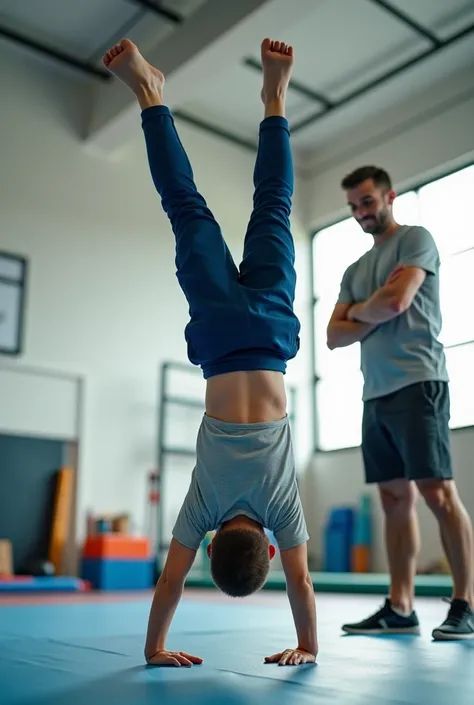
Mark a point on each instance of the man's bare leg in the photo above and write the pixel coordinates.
(402, 541)
(455, 526)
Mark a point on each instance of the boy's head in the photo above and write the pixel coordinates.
(240, 555)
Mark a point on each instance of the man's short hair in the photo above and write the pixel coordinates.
(379, 176)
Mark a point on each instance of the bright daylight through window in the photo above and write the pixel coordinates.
(441, 206)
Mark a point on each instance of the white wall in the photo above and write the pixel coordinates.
(432, 136)
(103, 300)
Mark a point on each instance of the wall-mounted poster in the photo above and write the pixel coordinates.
(12, 301)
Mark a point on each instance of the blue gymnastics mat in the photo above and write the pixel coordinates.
(92, 654)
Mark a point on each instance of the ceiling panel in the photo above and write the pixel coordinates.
(76, 28)
(345, 43)
(145, 29)
(444, 18)
(452, 62)
(232, 102)
(185, 8)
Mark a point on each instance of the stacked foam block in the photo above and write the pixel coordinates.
(338, 535)
(112, 561)
(348, 538)
(361, 549)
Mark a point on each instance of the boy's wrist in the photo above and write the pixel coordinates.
(308, 648)
(152, 651)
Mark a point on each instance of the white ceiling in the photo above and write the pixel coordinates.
(341, 47)
(85, 29)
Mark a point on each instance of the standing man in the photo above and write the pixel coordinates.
(389, 302)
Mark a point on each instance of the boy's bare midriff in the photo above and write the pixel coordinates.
(246, 397)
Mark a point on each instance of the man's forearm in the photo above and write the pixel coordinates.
(165, 602)
(381, 307)
(340, 334)
(303, 607)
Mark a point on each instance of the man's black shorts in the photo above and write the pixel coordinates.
(406, 434)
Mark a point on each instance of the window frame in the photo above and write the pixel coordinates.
(416, 188)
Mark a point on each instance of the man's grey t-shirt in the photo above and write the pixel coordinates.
(244, 469)
(406, 349)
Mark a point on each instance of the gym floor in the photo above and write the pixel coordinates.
(88, 650)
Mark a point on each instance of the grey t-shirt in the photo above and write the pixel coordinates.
(243, 469)
(405, 349)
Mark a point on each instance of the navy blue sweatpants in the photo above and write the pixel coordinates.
(240, 318)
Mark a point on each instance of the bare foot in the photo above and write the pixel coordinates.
(126, 63)
(277, 63)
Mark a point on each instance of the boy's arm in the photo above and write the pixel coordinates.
(165, 601)
(190, 528)
(300, 592)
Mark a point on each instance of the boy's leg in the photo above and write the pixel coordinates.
(269, 253)
(203, 261)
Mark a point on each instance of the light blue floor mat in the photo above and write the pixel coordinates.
(92, 654)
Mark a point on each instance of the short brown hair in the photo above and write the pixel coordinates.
(379, 176)
(239, 561)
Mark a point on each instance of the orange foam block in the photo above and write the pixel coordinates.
(360, 559)
(117, 545)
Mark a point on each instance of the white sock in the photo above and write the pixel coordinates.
(400, 612)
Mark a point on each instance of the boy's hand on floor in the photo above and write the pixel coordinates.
(173, 658)
(291, 657)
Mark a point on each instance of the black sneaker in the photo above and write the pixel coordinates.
(385, 621)
(459, 624)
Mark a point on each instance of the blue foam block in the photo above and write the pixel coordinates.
(58, 583)
(338, 540)
(118, 574)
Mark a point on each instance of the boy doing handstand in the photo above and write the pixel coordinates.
(242, 331)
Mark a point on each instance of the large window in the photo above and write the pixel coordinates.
(443, 206)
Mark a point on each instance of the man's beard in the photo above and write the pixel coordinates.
(376, 225)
